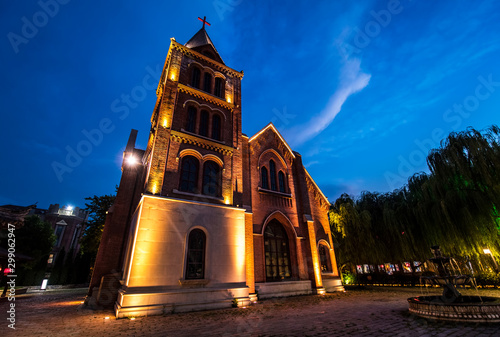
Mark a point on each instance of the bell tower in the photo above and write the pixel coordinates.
(187, 227)
(194, 148)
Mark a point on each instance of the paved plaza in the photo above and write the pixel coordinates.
(367, 312)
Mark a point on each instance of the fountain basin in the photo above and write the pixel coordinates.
(444, 280)
(472, 309)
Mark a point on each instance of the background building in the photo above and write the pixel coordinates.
(67, 223)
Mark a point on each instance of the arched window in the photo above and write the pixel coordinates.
(204, 123)
(195, 77)
(281, 182)
(324, 257)
(219, 86)
(216, 122)
(272, 174)
(211, 179)
(191, 119)
(277, 252)
(195, 266)
(263, 174)
(207, 83)
(189, 175)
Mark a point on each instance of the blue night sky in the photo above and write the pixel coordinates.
(362, 89)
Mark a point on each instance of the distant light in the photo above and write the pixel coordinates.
(131, 160)
(226, 201)
(486, 251)
(107, 317)
(132, 318)
(69, 208)
(44, 284)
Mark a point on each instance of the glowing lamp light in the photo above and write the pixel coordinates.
(69, 208)
(228, 99)
(173, 74)
(226, 201)
(131, 160)
(487, 251)
(7, 271)
(44, 284)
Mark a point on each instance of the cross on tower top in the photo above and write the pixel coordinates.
(204, 20)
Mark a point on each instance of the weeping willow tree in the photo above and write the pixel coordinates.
(466, 182)
(352, 233)
(456, 206)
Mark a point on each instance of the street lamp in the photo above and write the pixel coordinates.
(487, 251)
(132, 160)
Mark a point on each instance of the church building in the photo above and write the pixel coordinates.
(205, 216)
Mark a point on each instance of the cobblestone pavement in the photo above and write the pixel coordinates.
(369, 312)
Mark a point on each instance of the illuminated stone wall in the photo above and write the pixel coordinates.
(159, 250)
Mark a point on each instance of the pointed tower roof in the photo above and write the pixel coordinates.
(200, 40)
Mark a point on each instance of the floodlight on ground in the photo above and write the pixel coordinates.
(44, 284)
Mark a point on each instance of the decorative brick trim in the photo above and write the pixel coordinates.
(207, 97)
(219, 66)
(181, 137)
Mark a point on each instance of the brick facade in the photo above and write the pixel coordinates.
(196, 138)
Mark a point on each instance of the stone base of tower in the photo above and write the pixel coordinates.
(156, 301)
(333, 284)
(156, 279)
(283, 289)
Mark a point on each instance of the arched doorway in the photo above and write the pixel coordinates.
(324, 258)
(277, 252)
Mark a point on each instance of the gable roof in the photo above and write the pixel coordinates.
(200, 39)
(317, 187)
(271, 127)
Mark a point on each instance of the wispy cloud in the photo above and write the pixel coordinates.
(47, 149)
(352, 80)
(309, 164)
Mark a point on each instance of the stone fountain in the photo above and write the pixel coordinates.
(451, 305)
